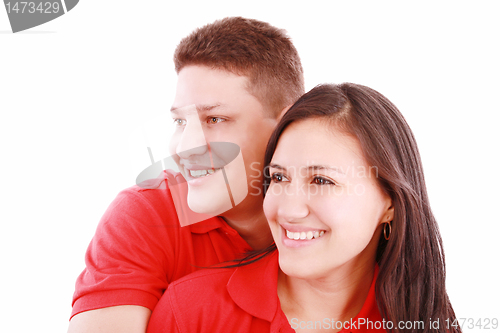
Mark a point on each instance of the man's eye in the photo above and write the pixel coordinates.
(179, 122)
(215, 120)
(322, 181)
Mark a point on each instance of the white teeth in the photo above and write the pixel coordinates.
(201, 173)
(304, 234)
(197, 173)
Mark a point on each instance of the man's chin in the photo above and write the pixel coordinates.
(210, 202)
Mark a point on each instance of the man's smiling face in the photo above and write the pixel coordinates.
(220, 140)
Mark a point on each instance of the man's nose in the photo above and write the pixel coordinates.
(192, 141)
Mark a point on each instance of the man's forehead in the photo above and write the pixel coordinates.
(195, 108)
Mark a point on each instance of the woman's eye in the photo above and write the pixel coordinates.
(278, 177)
(322, 181)
(215, 120)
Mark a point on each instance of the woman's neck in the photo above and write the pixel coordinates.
(338, 297)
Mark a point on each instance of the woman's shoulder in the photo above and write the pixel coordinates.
(189, 301)
(204, 279)
(217, 299)
(217, 279)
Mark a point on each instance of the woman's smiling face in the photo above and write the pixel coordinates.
(324, 205)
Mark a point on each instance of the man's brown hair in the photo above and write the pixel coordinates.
(251, 48)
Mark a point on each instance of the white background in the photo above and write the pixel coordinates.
(74, 90)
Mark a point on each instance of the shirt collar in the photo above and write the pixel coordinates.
(254, 289)
(207, 225)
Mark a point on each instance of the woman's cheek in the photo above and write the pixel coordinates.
(269, 207)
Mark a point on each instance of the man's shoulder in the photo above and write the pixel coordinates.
(152, 196)
(139, 202)
(159, 186)
(167, 194)
(152, 207)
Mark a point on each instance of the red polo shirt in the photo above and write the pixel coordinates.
(241, 300)
(139, 248)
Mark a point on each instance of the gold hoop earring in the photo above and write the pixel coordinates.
(385, 230)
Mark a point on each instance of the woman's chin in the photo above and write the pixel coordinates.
(301, 269)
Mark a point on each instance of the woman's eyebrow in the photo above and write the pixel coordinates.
(276, 166)
(327, 167)
(310, 168)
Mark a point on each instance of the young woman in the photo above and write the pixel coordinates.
(359, 249)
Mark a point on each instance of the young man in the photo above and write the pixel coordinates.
(235, 77)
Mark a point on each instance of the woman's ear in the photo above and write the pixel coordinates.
(389, 214)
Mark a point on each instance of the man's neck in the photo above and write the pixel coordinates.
(251, 223)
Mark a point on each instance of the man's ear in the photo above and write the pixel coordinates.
(282, 113)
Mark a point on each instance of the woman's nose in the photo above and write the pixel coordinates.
(293, 203)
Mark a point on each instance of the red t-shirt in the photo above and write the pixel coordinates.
(139, 248)
(242, 300)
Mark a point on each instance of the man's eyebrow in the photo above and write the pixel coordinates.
(200, 108)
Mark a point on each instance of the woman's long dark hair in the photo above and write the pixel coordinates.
(410, 285)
